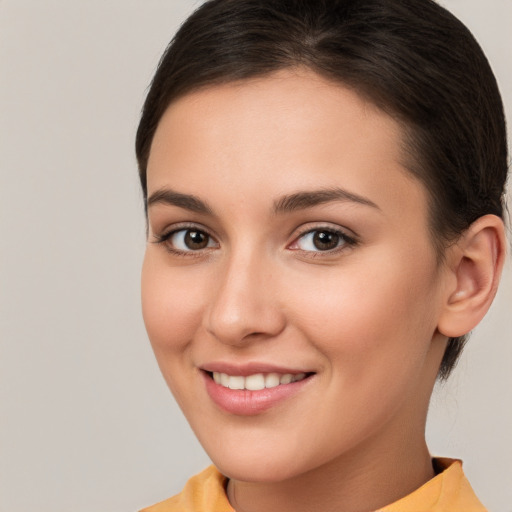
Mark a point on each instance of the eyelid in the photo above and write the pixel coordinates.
(164, 236)
(349, 238)
(178, 226)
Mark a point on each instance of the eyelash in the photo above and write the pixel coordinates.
(165, 237)
(345, 241)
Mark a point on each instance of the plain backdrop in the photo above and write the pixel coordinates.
(86, 422)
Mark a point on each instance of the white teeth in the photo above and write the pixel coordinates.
(272, 380)
(236, 382)
(286, 378)
(256, 382)
(224, 380)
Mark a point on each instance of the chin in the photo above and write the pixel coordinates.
(259, 464)
(255, 471)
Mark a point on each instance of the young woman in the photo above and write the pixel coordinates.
(324, 191)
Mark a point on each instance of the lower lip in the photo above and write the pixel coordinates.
(249, 403)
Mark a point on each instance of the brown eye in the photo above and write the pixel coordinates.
(322, 240)
(196, 240)
(187, 240)
(325, 240)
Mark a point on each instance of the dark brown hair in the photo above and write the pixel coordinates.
(411, 58)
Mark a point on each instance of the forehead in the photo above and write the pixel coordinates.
(292, 129)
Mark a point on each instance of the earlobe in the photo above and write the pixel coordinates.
(475, 264)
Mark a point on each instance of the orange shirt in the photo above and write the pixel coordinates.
(449, 491)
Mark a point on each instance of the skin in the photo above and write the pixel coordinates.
(363, 317)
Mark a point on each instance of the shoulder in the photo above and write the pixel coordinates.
(449, 490)
(204, 492)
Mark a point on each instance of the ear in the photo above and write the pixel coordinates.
(474, 266)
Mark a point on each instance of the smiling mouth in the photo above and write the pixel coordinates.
(257, 381)
(251, 393)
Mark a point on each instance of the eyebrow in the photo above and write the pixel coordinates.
(186, 201)
(286, 204)
(308, 199)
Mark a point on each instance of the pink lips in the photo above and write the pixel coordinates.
(249, 368)
(245, 402)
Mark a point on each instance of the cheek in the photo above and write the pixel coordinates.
(376, 311)
(171, 305)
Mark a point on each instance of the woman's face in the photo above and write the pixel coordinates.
(289, 255)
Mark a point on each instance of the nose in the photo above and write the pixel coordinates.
(244, 304)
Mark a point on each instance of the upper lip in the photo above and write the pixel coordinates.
(249, 368)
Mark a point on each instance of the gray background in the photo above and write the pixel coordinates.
(86, 422)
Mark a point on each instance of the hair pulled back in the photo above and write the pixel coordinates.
(411, 58)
